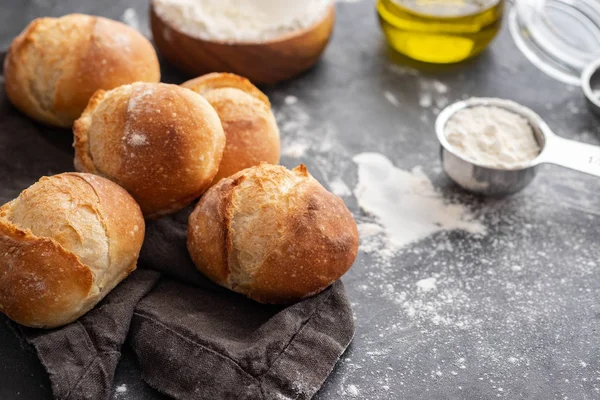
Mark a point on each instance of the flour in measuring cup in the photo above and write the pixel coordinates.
(492, 137)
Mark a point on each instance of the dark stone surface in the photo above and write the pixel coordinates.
(514, 314)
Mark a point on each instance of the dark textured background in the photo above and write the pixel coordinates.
(514, 314)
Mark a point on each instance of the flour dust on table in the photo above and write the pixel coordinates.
(438, 292)
(406, 204)
(400, 207)
(131, 18)
(316, 144)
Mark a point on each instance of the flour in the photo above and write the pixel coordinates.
(130, 18)
(295, 150)
(406, 204)
(427, 284)
(432, 92)
(289, 100)
(425, 99)
(492, 137)
(301, 135)
(137, 139)
(120, 390)
(389, 96)
(339, 187)
(352, 391)
(240, 21)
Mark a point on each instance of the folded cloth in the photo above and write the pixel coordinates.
(193, 339)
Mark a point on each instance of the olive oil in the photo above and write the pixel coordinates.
(440, 31)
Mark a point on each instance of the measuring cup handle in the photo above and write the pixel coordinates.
(574, 155)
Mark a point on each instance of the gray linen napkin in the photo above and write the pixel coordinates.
(193, 339)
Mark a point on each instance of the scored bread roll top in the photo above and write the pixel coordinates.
(272, 234)
(56, 64)
(221, 80)
(66, 242)
(161, 142)
(249, 124)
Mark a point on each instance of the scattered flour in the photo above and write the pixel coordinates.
(339, 187)
(130, 17)
(406, 204)
(137, 139)
(138, 96)
(427, 284)
(425, 99)
(295, 150)
(440, 87)
(300, 134)
(366, 229)
(492, 137)
(289, 100)
(236, 21)
(391, 98)
(403, 70)
(352, 391)
(432, 92)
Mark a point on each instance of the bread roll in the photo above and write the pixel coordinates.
(66, 242)
(245, 111)
(272, 234)
(56, 64)
(162, 143)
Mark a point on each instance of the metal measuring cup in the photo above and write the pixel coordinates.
(590, 83)
(499, 182)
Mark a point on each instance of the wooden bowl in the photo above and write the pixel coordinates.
(263, 63)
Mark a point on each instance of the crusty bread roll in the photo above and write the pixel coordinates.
(245, 111)
(66, 242)
(56, 64)
(272, 234)
(162, 143)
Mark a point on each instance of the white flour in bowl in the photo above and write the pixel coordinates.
(492, 137)
(240, 21)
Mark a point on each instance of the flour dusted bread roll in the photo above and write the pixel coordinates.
(56, 64)
(272, 234)
(66, 242)
(245, 112)
(162, 143)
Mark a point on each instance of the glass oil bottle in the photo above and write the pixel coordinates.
(440, 31)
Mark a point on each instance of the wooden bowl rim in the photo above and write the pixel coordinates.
(279, 39)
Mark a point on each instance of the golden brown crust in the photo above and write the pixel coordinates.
(251, 131)
(66, 242)
(275, 235)
(123, 222)
(161, 142)
(249, 125)
(219, 80)
(56, 64)
(33, 290)
(216, 211)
